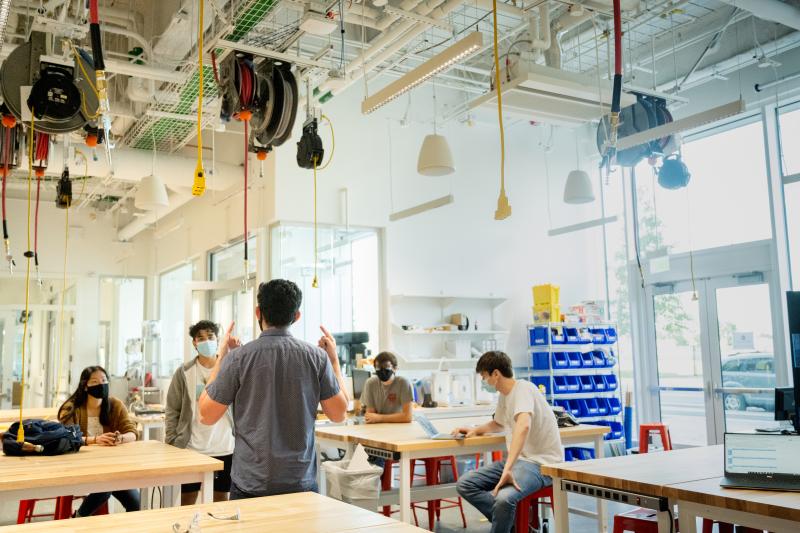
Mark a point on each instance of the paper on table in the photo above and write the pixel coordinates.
(360, 459)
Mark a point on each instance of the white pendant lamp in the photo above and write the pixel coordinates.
(435, 158)
(151, 194)
(579, 188)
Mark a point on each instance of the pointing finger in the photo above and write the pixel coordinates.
(230, 328)
(325, 331)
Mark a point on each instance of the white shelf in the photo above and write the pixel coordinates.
(574, 325)
(544, 348)
(590, 419)
(583, 395)
(494, 300)
(588, 371)
(468, 333)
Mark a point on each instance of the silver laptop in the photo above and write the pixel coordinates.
(431, 430)
(762, 461)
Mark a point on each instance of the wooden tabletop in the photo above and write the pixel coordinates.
(784, 505)
(411, 437)
(307, 512)
(12, 415)
(649, 473)
(127, 461)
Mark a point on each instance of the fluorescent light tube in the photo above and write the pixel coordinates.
(435, 65)
(421, 208)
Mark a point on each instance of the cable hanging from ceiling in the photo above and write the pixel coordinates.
(9, 142)
(245, 82)
(199, 185)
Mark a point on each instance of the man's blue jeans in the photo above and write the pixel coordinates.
(476, 487)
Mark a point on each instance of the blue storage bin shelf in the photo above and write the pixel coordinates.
(611, 382)
(541, 361)
(587, 383)
(539, 336)
(614, 406)
(611, 335)
(588, 407)
(568, 457)
(537, 381)
(599, 383)
(598, 335)
(587, 360)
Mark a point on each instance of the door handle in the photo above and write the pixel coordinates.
(742, 390)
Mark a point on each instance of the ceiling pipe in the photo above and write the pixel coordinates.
(771, 10)
(141, 223)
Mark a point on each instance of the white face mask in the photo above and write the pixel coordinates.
(207, 348)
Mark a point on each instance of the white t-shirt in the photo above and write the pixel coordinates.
(93, 426)
(543, 445)
(216, 440)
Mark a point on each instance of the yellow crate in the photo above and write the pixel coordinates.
(546, 294)
(543, 314)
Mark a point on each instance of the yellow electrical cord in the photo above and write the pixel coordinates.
(199, 186)
(96, 114)
(333, 144)
(21, 430)
(64, 283)
(315, 281)
(503, 208)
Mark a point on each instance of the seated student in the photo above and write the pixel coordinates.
(532, 440)
(386, 395)
(104, 421)
(183, 427)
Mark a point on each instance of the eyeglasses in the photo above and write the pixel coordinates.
(193, 525)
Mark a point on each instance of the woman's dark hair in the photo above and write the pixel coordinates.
(279, 300)
(491, 361)
(80, 395)
(385, 357)
(206, 325)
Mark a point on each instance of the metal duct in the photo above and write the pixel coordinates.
(771, 10)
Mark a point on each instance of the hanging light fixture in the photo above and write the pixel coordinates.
(152, 193)
(435, 158)
(578, 189)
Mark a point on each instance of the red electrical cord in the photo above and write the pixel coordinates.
(94, 17)
(6, 153)
(36, 222)
(246, 157)
(617, 37)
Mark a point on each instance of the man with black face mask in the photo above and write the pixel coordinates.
(386, 395)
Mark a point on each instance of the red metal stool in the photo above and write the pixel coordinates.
(528, 509)
(435, 507)
(386, 482)
(644, 436)
(63, 509)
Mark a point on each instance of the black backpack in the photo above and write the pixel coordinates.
(54, 438)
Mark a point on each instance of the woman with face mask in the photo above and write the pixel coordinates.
(104, 421)
(183, 428)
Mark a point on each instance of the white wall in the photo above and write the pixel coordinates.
(457, 249)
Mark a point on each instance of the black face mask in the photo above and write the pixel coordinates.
(98, 391)
(384, 374)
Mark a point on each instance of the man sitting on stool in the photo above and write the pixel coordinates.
(532, 439)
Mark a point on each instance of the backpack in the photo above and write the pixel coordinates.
(54, 438)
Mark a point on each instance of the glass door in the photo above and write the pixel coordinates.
(714, 344)
(742, 351)
(677, 331)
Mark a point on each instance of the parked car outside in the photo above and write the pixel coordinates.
(749, 370)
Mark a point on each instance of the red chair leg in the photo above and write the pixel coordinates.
(431, 478)
(386, 484)
(63, 508)
(103, 509)
(25, 511)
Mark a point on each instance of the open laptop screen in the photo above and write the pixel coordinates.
(747, 453)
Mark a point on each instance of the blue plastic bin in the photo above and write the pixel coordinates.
(616, 431)
(539, 336)
(602, 407)
(541, 361)
(560, 360)
(560, 385)
(557, 336)
(611, 382)
(598, 336)
(589, 407)
(568, 455)
(599, 359)
(582, 454)
(573, 384)
(542, 380)
(571, 336)
(574, 359)
(611, 335)
(587, 383)
(587, 360)
(599, 383)
(611, 358)
(614, 406)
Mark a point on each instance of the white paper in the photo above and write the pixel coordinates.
(360, 460)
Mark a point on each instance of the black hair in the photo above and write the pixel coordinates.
(491, 361)
(385, 357)
(206, 325)
(279, 301)
(80, 395)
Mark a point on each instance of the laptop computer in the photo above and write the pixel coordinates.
(431, 430)
(762, 461)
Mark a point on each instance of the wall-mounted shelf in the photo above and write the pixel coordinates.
(446, 301)
(455, 333)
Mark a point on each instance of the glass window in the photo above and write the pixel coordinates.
(348, 270)
(726, 202)
(791, 193)
(121, 317)
(789, 123)
(731, 366)
(228, 263)
(172, 295)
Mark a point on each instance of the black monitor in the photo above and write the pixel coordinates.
(793, 308)
(360, 377)
(784, 403)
